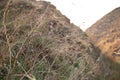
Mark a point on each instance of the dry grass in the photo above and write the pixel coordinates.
(32, 47)
(39, 43)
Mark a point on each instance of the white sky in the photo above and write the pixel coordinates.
(84, 13)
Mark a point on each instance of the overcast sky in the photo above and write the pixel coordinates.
(84, 13)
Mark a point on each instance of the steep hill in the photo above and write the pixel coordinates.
(37, 42)
(105, 33)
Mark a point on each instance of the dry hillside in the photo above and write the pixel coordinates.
(37, 42)
(105, 33)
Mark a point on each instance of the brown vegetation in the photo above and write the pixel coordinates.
(37, 42)
(105, 33)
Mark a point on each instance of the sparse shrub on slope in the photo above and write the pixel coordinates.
(38, 43)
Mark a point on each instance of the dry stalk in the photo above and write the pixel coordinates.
(6, 35)
(26, 73)
(16, 57)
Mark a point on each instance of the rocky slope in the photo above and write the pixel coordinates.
(105, 33)
(37, 42)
